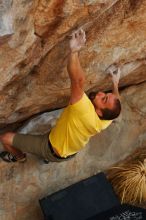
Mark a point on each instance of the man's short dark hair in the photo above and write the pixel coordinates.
(92, 95)
(110, 114)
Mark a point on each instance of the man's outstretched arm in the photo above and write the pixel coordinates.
(74, 68)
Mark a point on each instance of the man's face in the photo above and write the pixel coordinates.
(104, 100)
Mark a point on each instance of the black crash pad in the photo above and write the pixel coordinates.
(81, 200)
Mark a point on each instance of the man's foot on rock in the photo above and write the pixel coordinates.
(8, 157)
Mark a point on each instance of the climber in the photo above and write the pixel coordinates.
(81, 119)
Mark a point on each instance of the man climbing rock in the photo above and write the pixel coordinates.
(81, 119)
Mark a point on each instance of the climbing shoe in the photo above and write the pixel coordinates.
(8, 157)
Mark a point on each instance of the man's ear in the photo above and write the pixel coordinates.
(99, 112)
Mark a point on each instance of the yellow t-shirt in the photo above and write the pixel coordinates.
(77, 123)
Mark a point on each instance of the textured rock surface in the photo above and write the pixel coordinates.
(33, 60)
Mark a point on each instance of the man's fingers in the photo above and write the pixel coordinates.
(78, 39)
(83, 36)
(73, 35)
(112, 69)
(80, 33)
(119, 72)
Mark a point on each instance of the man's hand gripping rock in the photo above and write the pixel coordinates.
(78, 39)
(115, 73)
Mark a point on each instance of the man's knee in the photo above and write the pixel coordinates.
(7, 138)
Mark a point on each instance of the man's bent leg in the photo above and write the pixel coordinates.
(34, 144)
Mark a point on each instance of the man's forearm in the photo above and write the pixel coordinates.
(74, 68)
(115, 89)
